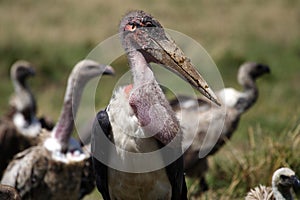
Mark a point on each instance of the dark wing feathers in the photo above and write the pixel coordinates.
(176, 177)
(175, 172)
(101, 126)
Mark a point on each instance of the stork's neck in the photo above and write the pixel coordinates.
(282, 193)
(141, 71)
(149, 103)
(250, 92)
(64, 127)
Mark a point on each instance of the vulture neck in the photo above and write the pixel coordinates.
(20, 84)
(149, 103)
(64, 127)
(24, 100)
(282, 193)
(250, 92)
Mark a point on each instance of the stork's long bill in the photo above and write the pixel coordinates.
(151, 39)
(174, 59)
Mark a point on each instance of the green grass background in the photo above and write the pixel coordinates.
(54, 35)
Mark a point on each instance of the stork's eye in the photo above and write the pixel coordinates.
(149, 24)
(130, 27)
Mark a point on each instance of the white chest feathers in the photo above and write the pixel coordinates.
(74, 153)
(229, 96)
(128, 136)
(29, 130)
(127, 133)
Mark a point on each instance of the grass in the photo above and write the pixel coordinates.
(255, 164)
(54, 36)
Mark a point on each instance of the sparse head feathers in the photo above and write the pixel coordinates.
(84, 71)
(88, 69)
(138, 18)
(279, 173)
(137, 30)
(20, 70)
(252, 70)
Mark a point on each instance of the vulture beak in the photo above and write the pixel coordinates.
(109, 70)
(31, 71)
(296, 182)
(163, 50)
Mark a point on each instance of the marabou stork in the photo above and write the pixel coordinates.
(139, 120)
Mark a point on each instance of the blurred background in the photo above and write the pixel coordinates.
(54, 35)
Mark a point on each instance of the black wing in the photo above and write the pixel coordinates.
(176, 176)
(175, 172)
(101, 126)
